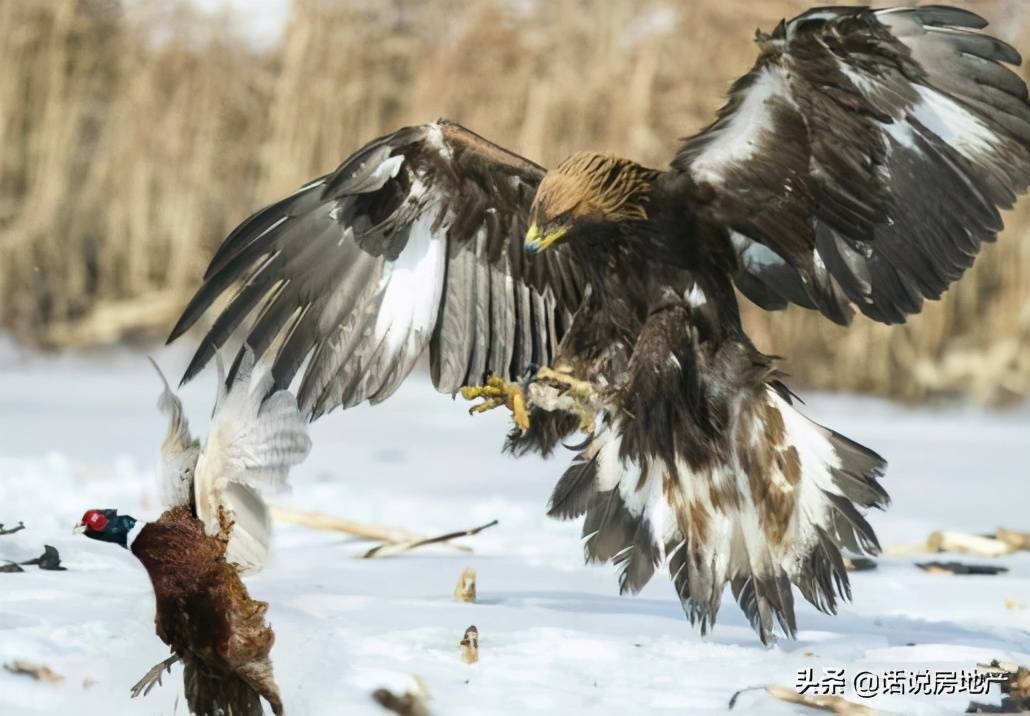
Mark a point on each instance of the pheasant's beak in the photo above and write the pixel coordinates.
(536, 242)
(78, 529)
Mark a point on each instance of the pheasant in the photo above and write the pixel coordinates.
(215, 529)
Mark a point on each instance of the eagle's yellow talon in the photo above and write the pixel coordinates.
(499, 392)
(519, 413)
(488, 404)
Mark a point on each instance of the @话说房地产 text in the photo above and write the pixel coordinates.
(865, 684)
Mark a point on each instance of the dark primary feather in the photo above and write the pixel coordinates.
(864, 159)
(413, 243)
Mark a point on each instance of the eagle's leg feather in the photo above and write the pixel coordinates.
(153, 677)
(499, 392)
(557, 389)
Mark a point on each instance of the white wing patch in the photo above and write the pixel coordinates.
(253, 443)
(940, 114)
(738, 140)
(412, 287)
(955, 125)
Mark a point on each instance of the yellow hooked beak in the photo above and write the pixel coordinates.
(535, 242)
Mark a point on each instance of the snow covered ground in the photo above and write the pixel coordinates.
(555, 637)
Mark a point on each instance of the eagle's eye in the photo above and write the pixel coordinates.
(562, 219)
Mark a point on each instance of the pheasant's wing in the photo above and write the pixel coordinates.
(256, 436)
(179, 450)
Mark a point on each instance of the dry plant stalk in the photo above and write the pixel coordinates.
(321, 521)
(469, 645)
(465, 591)
(967, 544)
(38, 672)
(1016, 540)
(834, 704)
(127, 158)
(1003, 542)
(10, 531)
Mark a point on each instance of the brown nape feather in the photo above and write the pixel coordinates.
(206, 615)
(590, 185)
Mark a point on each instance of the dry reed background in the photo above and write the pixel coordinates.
(131, 141)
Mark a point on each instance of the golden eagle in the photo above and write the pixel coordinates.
(860, 163)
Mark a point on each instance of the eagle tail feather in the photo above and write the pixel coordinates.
(774, 511)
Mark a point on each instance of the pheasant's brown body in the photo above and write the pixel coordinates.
(206, 616)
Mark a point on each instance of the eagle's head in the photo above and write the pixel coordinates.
(584, 193)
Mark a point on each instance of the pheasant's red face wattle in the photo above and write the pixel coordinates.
(95, 520)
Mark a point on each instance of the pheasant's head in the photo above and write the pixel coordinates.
(106, 526)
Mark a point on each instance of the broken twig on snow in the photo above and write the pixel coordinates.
(386, 550)
(960, 568)
(17, 528)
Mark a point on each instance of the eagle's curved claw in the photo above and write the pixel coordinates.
(498, 392)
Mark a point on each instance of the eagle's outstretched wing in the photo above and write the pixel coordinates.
(413, 242)
(864, 159)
